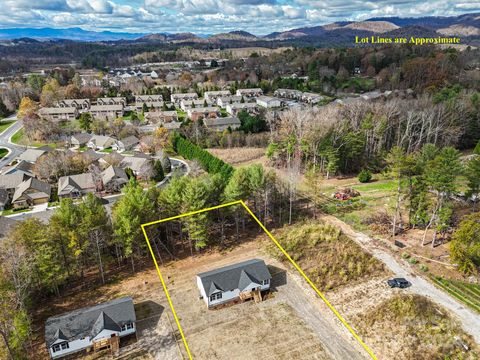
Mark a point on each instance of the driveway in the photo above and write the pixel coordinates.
(470, 320)
(5, 136)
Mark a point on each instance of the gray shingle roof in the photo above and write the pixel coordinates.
(222, 121)
(66, 184)
(236, 276)
(39, 189)
(113, 172)
(86, 321)
(11, 181)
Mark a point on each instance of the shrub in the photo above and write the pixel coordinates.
(405, 255)
(412, 260)
(424, 268)
(364, 176)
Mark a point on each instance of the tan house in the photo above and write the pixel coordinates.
(80, 104)
(249, 93)
(190, 104)
(161, 117)
(31, 155)
(222, 123)
(58, 113)
(203, 113)
(100, 142)
(151, 101)
(113, 179)
(223, 101)
(112, 101)
(234, 109)
(31, 192)
(106, 111)
(212, 96)
(74, 186)
(177, 98)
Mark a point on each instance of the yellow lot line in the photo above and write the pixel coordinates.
(241, 202)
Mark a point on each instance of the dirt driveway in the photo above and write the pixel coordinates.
(292, 323)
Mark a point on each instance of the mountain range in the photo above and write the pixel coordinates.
(466, 25)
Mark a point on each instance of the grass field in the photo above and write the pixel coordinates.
(20, 139)
(329, 258)
(409, 326)
(469, 294)
(4, 125)
(3, 152)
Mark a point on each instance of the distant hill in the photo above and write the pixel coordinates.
(76, 34)
(339, 33)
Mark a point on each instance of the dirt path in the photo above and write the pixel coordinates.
(470, 321)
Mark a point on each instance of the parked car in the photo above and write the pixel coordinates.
(398, 282)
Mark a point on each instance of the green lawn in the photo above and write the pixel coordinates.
(14, 211)
(20, 139)
(3, 152)
(4, 125)
(467, 293)
(107, 150)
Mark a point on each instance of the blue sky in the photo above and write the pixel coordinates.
(213, 16)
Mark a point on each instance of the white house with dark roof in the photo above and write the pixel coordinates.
(227, 284)
(249, 93)
(89, 327)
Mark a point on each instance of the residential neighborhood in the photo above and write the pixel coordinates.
(178, 182)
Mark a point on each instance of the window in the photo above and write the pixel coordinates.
(60, 347)
(127, 326)
(266, 282)
(216, 296)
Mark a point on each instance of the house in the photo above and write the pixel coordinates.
(125, 144)
(100, 142)
(203, 113)
(311, 98)
(112, 101)
(151, 101)
(172, 125)
(92, 156)
(288, 94)
(234, 109)
(106, 111)
(138, 164)
(80, 139)
(74, 186)
(31, 192)
(177, 98)
(80, 104)
(161, 116)
(58, 113)
(223, 101)
(190, 104)
(249, 93)
(212, 96)
(114, 178)
(232, 282)
(222, 123)
(113, 159)
(10, 182)
(31, 155)
(21, 167)
(269, 102)
(154, 74)
(95, 327)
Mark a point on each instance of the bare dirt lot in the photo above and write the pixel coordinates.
(291, 323)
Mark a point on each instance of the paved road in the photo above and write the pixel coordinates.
(15, 150)
(470, 321)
